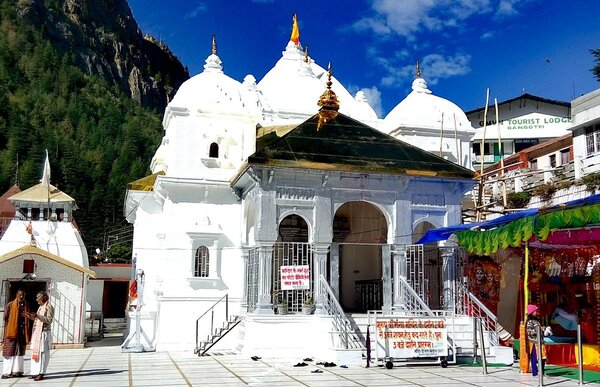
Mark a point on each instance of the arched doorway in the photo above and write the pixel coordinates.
(360, 228)
(432, 267)
(292, 253)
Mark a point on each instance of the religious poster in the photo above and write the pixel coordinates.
(484, 282)
(295, 277)
(412, 337)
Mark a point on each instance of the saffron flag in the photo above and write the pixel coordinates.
(295, 31)
(45, 180)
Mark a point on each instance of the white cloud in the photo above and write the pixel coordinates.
(408, 18)
(433, 67)
(374, 97)
(488, 35)
(197, 10)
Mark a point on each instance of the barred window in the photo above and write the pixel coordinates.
(592, 139)
(201, 262)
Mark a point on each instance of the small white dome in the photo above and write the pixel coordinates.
(211, 90)
(422, 109)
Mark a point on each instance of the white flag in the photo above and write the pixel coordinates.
(46, 174)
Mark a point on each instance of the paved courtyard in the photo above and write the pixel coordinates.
(108, 366)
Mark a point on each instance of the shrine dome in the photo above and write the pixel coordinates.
(293, 87)
(423, 110)
(211, 90)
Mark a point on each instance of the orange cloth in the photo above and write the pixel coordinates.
(12, 325)
(295, 31)
(523, 356)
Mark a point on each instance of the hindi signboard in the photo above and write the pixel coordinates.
(295, 277)
(412, 337)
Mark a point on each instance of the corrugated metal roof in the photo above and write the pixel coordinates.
(28, 249)
(41, 194)
(345, 144)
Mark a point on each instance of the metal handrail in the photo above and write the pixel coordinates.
(470, 305)
(410, 300)
(334, 309)
(212, 316)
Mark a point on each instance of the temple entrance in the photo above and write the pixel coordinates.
(31, 289)
(360, 229)
(292, 252)
(432, 268)
(114, 299)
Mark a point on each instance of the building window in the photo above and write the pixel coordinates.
(553, 161)
(564, 157)
(525, 143)
(592, 139)
(201, 262)
(533, 164)
(214, 150)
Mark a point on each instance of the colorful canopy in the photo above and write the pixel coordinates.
(512, 229)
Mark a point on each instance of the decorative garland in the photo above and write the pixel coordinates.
(512, 234)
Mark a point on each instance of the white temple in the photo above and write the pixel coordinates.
(252, 177)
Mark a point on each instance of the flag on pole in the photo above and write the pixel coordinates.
(295, 31)
(45, 180)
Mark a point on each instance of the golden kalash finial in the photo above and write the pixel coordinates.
(418, 70)
(328, 102)
(214, 44)
(306, 54)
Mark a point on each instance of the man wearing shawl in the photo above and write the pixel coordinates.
(41, 340)
(16, 336)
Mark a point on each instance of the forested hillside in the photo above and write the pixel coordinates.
(97, 137)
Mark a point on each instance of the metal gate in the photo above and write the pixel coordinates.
(415, 275)
(291, 254)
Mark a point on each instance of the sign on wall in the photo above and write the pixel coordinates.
(408, 337)
(295, 277)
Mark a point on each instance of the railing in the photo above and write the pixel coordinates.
(410, 300)
(348, 337)
(212, 317)
(468, 304)
(369, 294)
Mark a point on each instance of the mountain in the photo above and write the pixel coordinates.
(78, 78)
(104, 39)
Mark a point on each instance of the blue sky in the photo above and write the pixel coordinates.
(464, 46)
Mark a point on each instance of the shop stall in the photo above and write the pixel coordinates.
(549, 257)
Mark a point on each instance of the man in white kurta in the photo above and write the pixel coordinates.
(41, 340)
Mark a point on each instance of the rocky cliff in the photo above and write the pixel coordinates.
(104, 39)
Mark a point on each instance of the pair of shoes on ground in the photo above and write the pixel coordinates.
(327, 364)
(303, 364)
(307, 359)
(317, 371)
(15, 375)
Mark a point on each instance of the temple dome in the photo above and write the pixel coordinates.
(423, 110)
(211, 90)
(294, 84)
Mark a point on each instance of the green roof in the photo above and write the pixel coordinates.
(345, 144)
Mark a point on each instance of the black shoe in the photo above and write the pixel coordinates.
(303, 364)
(317, 371)
(6, 376)
(255, 358)
(327, 364)
(307, 359)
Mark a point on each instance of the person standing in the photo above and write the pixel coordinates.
(16, 336)
(41, 340)
(532, 325)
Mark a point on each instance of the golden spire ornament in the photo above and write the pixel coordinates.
(306, 54)
(418, 70)
(328, 102)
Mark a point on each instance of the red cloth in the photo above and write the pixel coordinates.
(560, 354)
